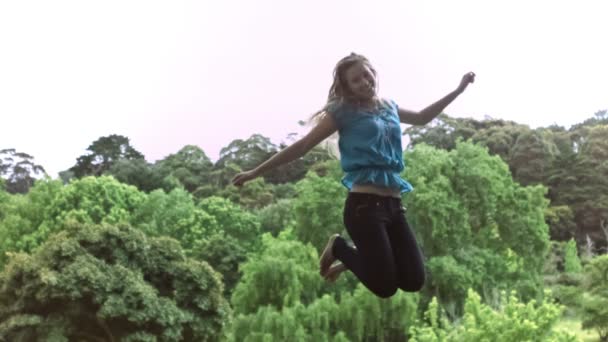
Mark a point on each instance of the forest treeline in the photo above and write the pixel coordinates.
(119, 248)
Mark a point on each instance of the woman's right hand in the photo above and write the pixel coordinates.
(243, 177)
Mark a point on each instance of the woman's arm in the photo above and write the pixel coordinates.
(429, 113)
(320, 132)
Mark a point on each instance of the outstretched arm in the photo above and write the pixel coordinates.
(429, 113)
(321, 131)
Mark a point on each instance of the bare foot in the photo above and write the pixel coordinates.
(334, 272)
(327, 257)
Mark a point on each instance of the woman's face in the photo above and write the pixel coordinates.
(361, 81)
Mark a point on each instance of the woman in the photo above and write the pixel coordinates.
(385, 256)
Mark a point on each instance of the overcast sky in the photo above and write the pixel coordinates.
(171, 73)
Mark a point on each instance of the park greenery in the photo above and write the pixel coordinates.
(512, 221)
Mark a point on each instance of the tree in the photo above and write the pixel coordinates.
(572, 263)
(231, 219)
(560, 219)
(249, 153)
(225, 254)
(139, 173)
(442, 132)
(246, 154)
(277, 217)
(23, 217)
(510, 321)
(283, 273)
(531, 157)
(190, 166)
(475, 224)
(49, 205)
(358, 315)
(595, 300)
(107, 283)
(577, 180)
(19, 170)
(173, 214)
(4, 200)
(102, 154)
(252, 195)
(319, 205)
(499, 137)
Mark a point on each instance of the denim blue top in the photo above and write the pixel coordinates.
(370, 145)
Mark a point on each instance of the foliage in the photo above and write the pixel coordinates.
(232, 220)
(357, 316)
(255, 194)
(225, 254)
(109, 282)
(25, 219)
(475, 224)
(277, 217)
(572, 263)
(172, 214)
(102, 154)
(319, 206)
(141, 174)
(595, 300)
(19, 171)
(190, 167)
(284, 272)
(570, 162)
(512, 320)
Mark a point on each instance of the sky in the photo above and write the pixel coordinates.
(172, 73)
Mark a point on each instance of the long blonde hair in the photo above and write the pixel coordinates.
(339, 92)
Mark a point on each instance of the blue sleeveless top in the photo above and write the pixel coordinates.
(370, 145)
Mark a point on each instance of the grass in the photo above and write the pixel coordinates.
(573, 326)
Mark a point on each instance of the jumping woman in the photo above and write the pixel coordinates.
(385, 256)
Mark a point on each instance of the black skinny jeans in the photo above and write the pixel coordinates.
(387, 256)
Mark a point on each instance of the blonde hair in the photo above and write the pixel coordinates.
(339, 94)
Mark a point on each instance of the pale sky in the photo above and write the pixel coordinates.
(171, 73)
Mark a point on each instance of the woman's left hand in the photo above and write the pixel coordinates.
(466, 79)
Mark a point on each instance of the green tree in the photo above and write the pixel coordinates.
(572, 263)
(252, 195)
(531, 157)
(173, 214)
(4, 200)
(475, 224)
(19, 170)
(225, 254)
(102, 154)
(284, 272)
(357, 316)
(319, 205)
(499, 137)
(49, 205)
(247, 154)
(442, 133)
(24, 217)
(190, 166)
(277, 217)
(562, 225)
(565, 285)
(231, 219)
(139, 173)
(595, 300)
(510, 321)
(215, 230)
(577, 178)
(107, 283)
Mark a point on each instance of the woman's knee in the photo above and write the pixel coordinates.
(384, 290)
(414, 284)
